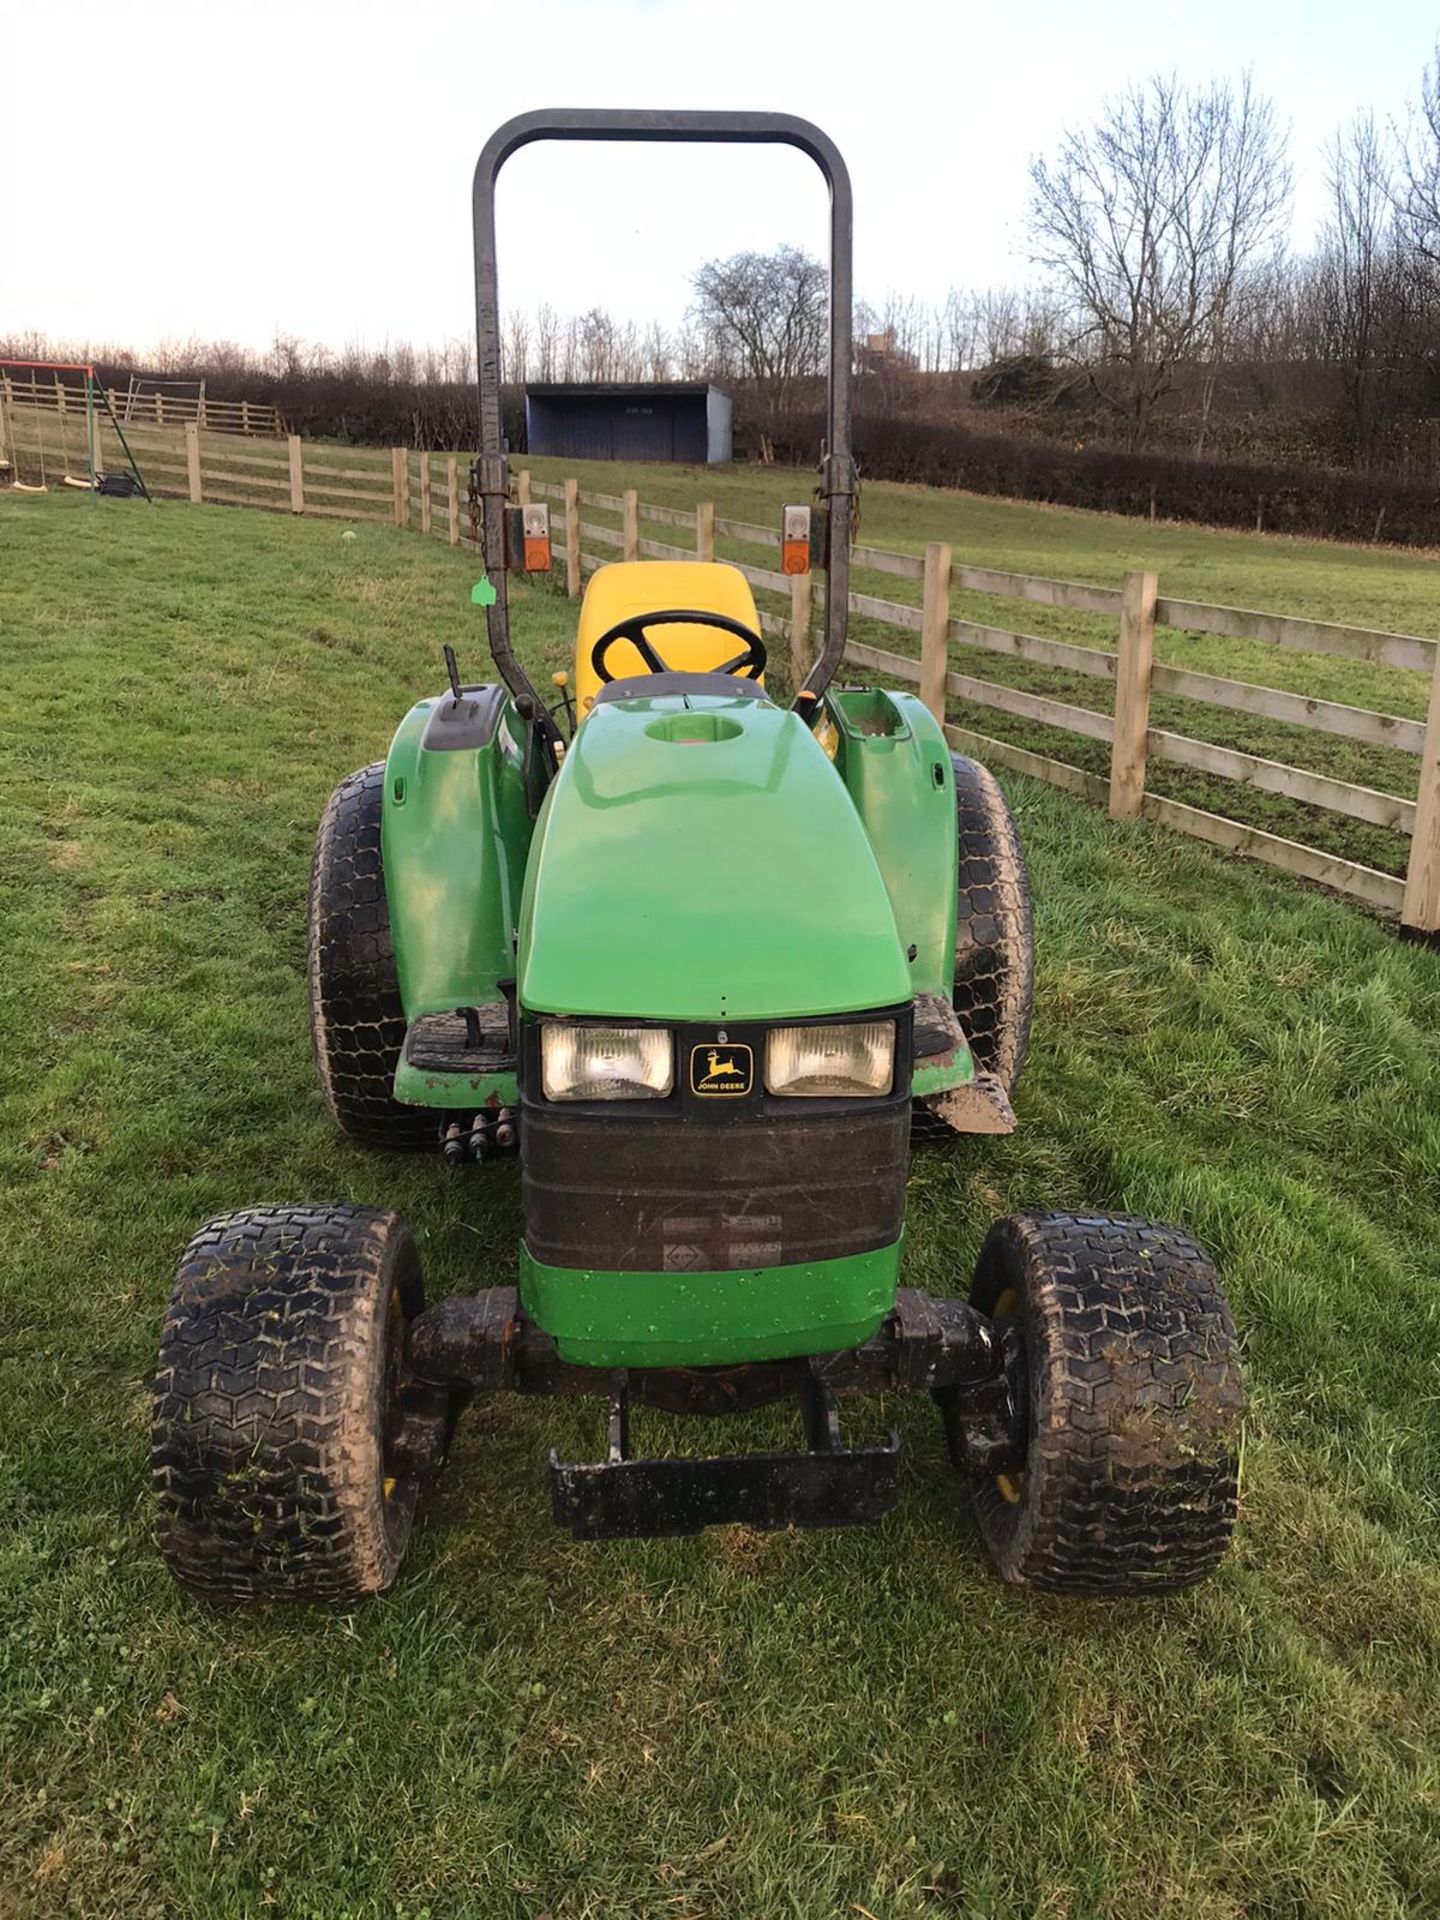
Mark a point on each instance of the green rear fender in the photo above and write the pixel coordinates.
(455, 836)
(895, 763)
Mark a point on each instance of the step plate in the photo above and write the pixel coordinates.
(440, 1043)
(638, 1499)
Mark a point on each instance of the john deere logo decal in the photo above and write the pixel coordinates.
(721, 1070)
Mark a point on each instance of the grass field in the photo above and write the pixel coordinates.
(1387, 589)
(739, 1727)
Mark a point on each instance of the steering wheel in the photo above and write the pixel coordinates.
(749, 662)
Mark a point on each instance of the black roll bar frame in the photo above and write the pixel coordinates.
(837, 474)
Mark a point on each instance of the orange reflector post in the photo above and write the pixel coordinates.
(535, 522)
(795, 540)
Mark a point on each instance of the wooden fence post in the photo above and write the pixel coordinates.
(245, 416)
(452, 497)
(630, 525)
(400, 485)
(424, 492)
(935, 629)
(522, 487)
(705, 530)
(159, 408)
(1134, 664)
(801, 598)
(192, 461)
(297, 471)
(1421, 909)
(572, 538)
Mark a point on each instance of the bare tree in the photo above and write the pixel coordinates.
(763, 316)
(516, 354)
(1418, 190)
(1147, 221)
(547, 338)
(1359, 277)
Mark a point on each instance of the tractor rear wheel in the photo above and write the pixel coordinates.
(994, 953)
(1128, 1479)
(357, 1018)
(994, 975)
(289, 1438)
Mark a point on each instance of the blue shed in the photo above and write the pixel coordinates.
(684, 420)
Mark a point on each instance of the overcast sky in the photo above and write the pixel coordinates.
(227, 171)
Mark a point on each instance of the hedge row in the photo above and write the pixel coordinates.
(1316, 500)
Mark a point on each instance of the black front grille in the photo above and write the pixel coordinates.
(661, 1192)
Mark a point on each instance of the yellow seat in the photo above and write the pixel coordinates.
(629, 587)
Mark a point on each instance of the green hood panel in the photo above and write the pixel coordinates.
(726, 877)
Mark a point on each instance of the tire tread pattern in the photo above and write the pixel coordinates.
(1136, 1406)
(267, 1438)
(994, 953)
(357, 1018)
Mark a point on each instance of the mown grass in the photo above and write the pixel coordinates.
(1385, 589)
(738, 1727)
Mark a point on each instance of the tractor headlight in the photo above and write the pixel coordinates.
(605, 1063)
(826, 1062)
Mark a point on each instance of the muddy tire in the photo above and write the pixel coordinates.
(357, 1018)
(1132, 1375)
(994, 949)
(994, 978)
(288, 1440)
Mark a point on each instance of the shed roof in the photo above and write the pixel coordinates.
(615, 389)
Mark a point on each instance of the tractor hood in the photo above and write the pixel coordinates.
(699, 858)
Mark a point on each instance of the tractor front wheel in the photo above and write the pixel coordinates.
(289, 1438)
(1127, 1481)
(357, 1018)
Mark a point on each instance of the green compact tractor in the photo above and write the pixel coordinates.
(710, 965)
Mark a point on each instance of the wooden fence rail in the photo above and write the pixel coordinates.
(1135, 676)
(49, 393)
(424, 491)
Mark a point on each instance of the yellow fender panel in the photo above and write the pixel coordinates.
(629, 587)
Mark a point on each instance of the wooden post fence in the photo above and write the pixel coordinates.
(425, 492)
(572, 538)
(935, 628)
(705, 530)
(400, 483)
(297, 471)
(801, 600)
(630, 525)
(1421, 909)
(1134, 666)
(452, 497)
(192, 460)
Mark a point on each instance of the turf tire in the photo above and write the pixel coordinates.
(277, 1406)
(357, 1018)
(1135, 1405)
(994, 947)
(994, 975)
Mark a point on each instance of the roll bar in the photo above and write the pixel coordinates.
(837, 483)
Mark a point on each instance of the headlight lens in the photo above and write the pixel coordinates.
(823, 1062)
(605, 1063)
